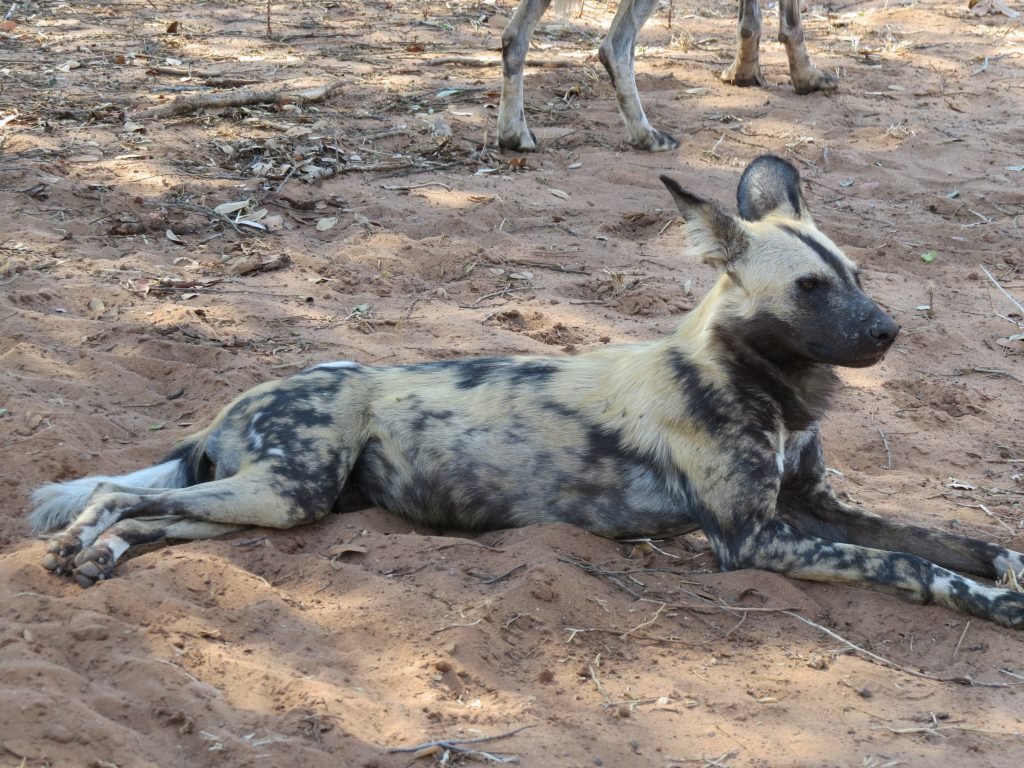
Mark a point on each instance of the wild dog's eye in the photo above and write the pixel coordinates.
(807, 283)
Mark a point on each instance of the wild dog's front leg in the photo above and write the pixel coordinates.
(806, 78)
(821, 513)
(513, 132)
(808, 503)
(617, 53)
(775, 546)
(745, 69)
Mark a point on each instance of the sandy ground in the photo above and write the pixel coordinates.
(404, 237)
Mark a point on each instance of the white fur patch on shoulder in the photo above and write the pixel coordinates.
(334, 365)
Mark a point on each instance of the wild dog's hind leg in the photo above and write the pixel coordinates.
(513, 132)
(806, 78)
(617, 53)
(261, 494)
(98, 561)
(745, 69)
(106, 506)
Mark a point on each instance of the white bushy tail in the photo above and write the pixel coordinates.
(56, 505)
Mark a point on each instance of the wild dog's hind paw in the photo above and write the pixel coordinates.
(60, 554)
(93, 564)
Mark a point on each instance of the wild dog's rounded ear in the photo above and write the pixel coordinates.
(714, 236)
(770, 186)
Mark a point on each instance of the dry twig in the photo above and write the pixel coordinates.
(239, 98)
(445, 746)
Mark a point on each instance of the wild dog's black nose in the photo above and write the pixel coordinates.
(885, 330)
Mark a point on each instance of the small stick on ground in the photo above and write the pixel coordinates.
(888, 450)
(956, 650)
(960, 680)
(239, 98)
(1002, 290)
(459, 745)
(643, 624)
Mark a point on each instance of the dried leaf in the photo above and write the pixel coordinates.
(326, 223)
(559, 193)
(174, 238)
(345, 549)
(928, 257)
(226, 209)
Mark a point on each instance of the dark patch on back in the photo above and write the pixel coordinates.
(474, 372)
(425, 416)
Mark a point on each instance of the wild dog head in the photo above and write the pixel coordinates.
(788, 292)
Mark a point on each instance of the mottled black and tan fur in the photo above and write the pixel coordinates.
(714, 427)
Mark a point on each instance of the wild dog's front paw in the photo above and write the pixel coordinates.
(812, 81)
(655, 141)
(60, 554)
(93, 564)
(744, 75)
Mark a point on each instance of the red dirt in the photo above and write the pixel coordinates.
(277, 648)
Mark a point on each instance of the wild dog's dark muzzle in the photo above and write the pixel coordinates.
(870, 340)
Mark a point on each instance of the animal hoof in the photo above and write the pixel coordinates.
(744, 77)
(814, 82)
(656, 141)
(518, 142)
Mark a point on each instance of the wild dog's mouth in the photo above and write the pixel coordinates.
(857, 359)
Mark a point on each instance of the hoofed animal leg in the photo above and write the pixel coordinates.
(513, 132)
(745, 69)
(617, 55)
(806, 78)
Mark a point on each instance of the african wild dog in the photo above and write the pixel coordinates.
(714, 427)
(617, 52)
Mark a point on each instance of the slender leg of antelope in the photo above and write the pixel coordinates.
(805, 76)
(513, 132)
(746, 68)
(617, 54)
